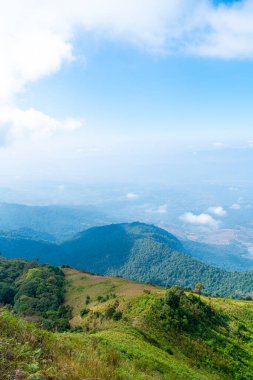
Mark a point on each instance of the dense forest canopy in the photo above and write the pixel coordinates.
(35, 291)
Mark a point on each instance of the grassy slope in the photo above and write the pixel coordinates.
(27, 352)
(221, 352)
(82, 284)
(134, 347)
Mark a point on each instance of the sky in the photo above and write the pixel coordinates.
(126, 90)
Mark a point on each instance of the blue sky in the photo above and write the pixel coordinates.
(124, 90)
(123, 82)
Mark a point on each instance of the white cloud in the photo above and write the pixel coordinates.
(227, 31)
(218, 211)
(200, 220)
(219, 145)
(37, 37)
(132, 196)
(235, 206)
(17, 124)
(163, 209)
(31, 45)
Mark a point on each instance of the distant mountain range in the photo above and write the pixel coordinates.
(55, 224)
(52, 223)
(136, 251)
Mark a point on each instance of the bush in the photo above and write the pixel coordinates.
(110, 312)
(187, 312)
(35, 290)
(117, 315)
(84, 312)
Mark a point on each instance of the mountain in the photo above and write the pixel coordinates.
(136, 251)
(58, 223)
(118, 329)
(147, 253)
(16, 245)
(108, 248)
(55, 222)
(232, 257)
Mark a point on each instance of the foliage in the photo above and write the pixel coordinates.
(150, 254)
(136, 251)
(188, 312)
(84, 311)
(30, 353)
(163, 334)
(35, 291)
(168, 333)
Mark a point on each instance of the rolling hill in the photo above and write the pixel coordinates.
(122, 330)
(147, 253)
(136, 251)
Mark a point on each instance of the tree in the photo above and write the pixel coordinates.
(6, 293)
(198, 288)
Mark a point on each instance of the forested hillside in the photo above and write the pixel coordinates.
(147, 253)
(136, 251)
(34, 291)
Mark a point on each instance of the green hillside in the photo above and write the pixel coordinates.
(147, 253)
(125, 330)
(171, 333)
(135, 251)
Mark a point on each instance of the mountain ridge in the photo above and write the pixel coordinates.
(137, 251)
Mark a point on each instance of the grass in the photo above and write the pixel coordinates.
(222, 352)
(80, 285)
(30, 353)
(137, 345)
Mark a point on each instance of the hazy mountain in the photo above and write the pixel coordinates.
(232, 257)
(57, 222)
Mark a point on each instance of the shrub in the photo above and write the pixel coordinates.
(117, 315)
(84, 312)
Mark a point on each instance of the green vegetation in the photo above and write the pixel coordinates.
(136, 251)
(123, 330)
(30, 353)
(150, 254)
(171, 334)
(35, 291)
